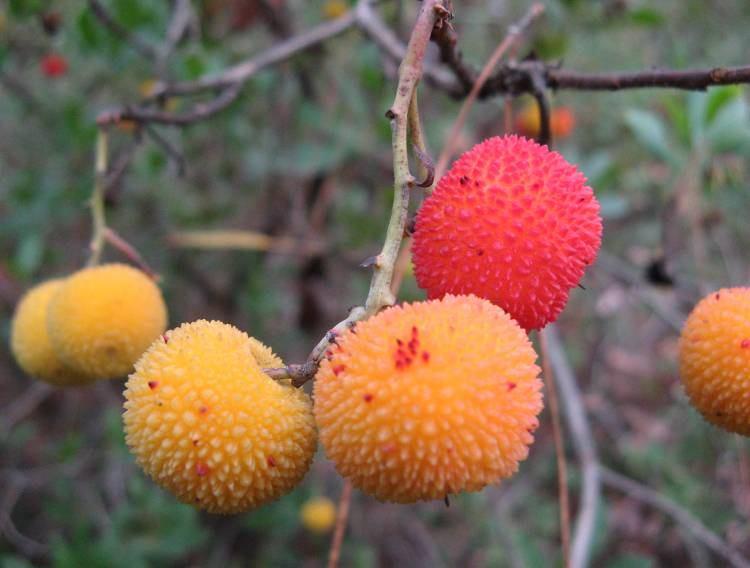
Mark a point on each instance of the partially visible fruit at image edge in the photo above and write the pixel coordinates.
(512, 222)
(30, 341)
(206, 423)
(429, 399)
(715, 359)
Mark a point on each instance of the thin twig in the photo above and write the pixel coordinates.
(342, 515)
(680, 515)
(245, 240)
(98, 219)
(22, 406)
(182, 17)
(133, 40)
(410, 73)
(562, 466)
(200, 111)
(688, 79)
(583, 443)
(514, 34)
(168, 147)
(129, 252)
(240, 73)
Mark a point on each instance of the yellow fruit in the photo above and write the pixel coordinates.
(30, 342)
(318, 514)
(264, 356)
(207, 424)
(103, 318)
(428, 399)
(333, 9)
(715, 358)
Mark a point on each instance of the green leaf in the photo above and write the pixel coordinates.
(88, 30)
(730, 130)
(647, 17)
(29, 254)
(718, 98)
(649, 129)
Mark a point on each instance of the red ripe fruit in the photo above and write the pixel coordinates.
(512, 222)
(54, 65)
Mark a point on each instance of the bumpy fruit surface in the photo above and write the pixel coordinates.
(318, 514)
(264, 355)
(103, 318)
(512, 222)
(206, 423)
(30, 342)
(428, 399)
(715, 358)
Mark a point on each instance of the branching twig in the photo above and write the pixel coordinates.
(514, 34)
(200, 111)
(583, 442)
(133, 40)
(380, 295)
(240, 73)
(680, 515)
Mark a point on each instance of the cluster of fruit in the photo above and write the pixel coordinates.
(92, 325)
(418, 402)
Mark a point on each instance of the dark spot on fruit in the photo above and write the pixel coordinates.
(511, 386)
(717, 296)
(165, 338)
(718, 414)
(463, 180)
(271, 461)
(196, 442)
(399, 342)
(367, 397)
(153, 384)
(425, 356)
(480, 252)
(202, 409)
(201, 469)
(745, 344)
(339, 369)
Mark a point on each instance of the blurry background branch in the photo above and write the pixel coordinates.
(456, 79)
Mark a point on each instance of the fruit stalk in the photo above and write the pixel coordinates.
(410, 71)
(432, 13)
(99, 223)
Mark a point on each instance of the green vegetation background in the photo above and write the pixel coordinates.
(314, 129)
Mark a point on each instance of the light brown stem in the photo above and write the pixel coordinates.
(98, 218)
(562, 465)
(342, 516)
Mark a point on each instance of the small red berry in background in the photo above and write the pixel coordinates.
(54, 65)
(512, 222)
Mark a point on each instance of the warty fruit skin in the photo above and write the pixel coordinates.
(512, 222)
(103, 318)
(714, 353)
(30, 341)
(207, 424)
(429, 399)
